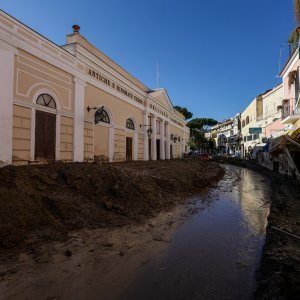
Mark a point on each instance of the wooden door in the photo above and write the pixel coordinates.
(128, 148)
(45, 134)
(171, 151)
(157, 149)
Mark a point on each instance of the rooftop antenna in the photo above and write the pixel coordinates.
(279, 64)
(157, 75)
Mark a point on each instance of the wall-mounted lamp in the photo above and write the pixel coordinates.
(90, 108)
(149, 131)
(174, 138)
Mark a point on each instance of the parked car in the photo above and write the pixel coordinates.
(204, 156)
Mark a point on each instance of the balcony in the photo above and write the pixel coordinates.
(290, 115)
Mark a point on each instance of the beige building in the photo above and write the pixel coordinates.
(249, 119)
(73, 103)
(227, 136)
(272, 113)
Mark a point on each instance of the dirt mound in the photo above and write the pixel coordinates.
(46, 202)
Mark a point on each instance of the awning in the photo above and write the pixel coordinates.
(278, 144)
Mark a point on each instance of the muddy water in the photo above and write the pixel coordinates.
(215, 253)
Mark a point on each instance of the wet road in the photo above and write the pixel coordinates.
(214, 254)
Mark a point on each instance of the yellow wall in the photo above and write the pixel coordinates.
(88, 141)
(33, 74)
(177, 146)
(120, 145)
(101, 140)
(66, 138)
(120, 109)
(21, 133)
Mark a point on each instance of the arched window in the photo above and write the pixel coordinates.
(243, 123)
(46, 100)
(129, 124)
(222, 140)
(101, 116)
(247, 120)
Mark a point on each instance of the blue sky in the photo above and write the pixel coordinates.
(214, 56)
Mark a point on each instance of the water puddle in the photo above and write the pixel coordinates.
(215, 253)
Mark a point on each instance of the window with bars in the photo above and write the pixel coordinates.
(46, 100)
(129, 124)
(101, 115)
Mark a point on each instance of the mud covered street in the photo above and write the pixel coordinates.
(208, 247)
(279, 273)
(81, 231)
(48, 202)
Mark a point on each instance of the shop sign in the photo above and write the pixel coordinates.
(255, 130)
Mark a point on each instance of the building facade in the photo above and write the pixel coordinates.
(73, 103)
(284, 148)
(272, 112)
(291, 94)
(249, 118)
(227, 136)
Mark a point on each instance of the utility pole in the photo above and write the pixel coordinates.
(279, 64)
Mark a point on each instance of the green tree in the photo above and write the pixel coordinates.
(198, 128)
(201, 125)
(187, 114)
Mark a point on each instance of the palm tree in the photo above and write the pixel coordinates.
(293, 40)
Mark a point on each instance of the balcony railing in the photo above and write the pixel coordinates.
(289, 111)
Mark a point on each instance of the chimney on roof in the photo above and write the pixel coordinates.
(76, 28)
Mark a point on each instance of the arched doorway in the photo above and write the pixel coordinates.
(129, 139)
(102, 134)
(45, 128)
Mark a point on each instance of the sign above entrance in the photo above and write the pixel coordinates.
(113, 85)
(255, 130)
